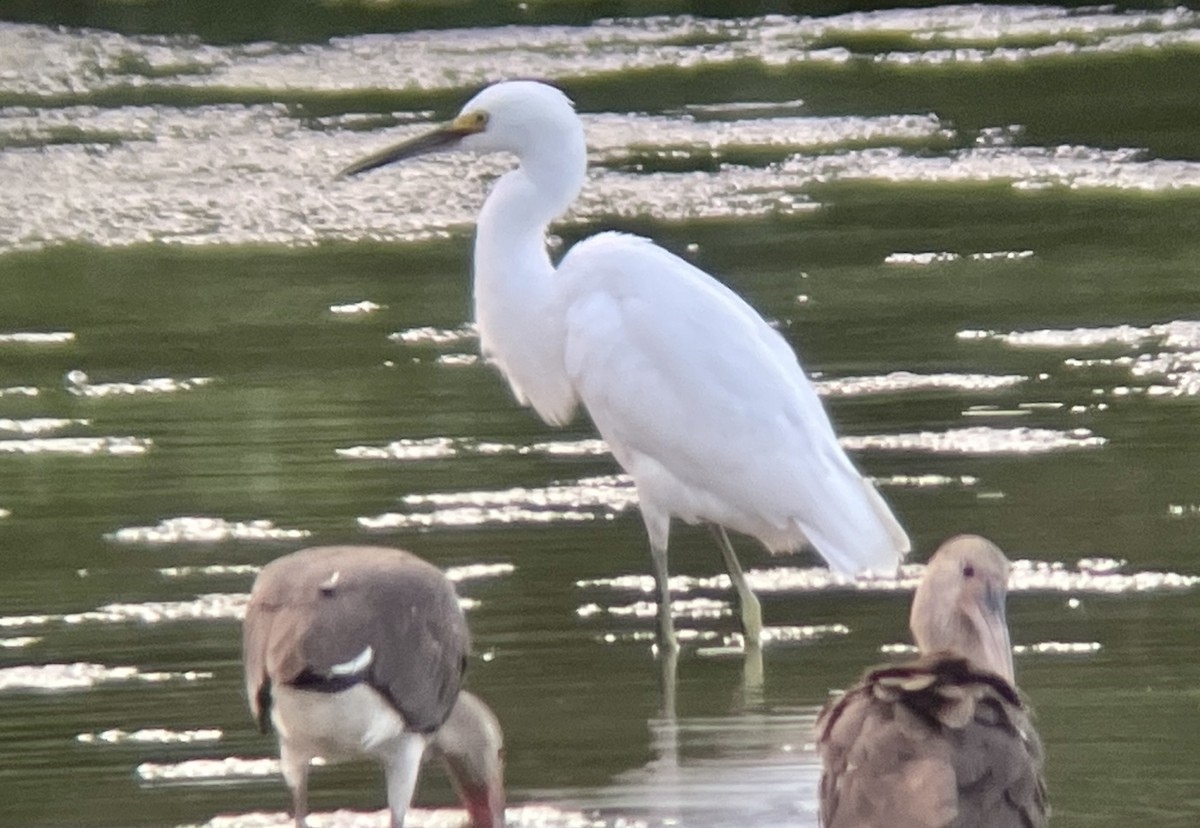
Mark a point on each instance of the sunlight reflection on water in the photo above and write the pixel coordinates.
(1000, 172)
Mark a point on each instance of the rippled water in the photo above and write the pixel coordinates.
(979, 225)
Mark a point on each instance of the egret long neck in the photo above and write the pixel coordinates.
(512, 225)
(510, 237)
(521, 325)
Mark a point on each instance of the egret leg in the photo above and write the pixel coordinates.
(667, 642)
(668, 679)
(295, 773)
(752, 679)
(747, 601)
(402, 767)
(670, 792)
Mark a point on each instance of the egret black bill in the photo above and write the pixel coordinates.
(444, 137)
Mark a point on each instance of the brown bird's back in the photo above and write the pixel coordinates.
(317, 608)
(937, 743)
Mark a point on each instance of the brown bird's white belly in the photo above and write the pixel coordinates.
(336, 726)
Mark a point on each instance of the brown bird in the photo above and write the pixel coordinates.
(359, 651)
(944, 741)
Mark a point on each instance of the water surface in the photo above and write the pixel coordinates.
(978, 225)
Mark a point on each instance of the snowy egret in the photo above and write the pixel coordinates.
(945, 741)
(359, 651)
(699, 399)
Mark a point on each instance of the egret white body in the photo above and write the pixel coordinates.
(699, 399)
(944, 741)
(354, 651)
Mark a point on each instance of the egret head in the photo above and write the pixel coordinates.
(471, 744)
(959, 605)
(511, 116)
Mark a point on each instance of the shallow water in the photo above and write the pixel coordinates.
(979, 226)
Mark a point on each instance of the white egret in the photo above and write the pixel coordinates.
(944, 741)
(699, 399)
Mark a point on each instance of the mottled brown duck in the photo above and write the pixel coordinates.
(945, 741)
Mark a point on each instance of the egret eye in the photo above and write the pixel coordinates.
(968, 571)
(479, 119)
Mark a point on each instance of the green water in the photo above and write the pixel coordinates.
(167, 200)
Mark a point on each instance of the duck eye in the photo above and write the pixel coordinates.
(968, 571)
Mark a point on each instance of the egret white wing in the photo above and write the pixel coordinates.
(707, 407)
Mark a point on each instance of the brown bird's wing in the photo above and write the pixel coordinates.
(313, 613)
(933, 744)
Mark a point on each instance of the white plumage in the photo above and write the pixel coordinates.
(706, 407)
(699, 399)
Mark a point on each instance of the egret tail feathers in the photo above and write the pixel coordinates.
(901, 545)
(860, 534)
